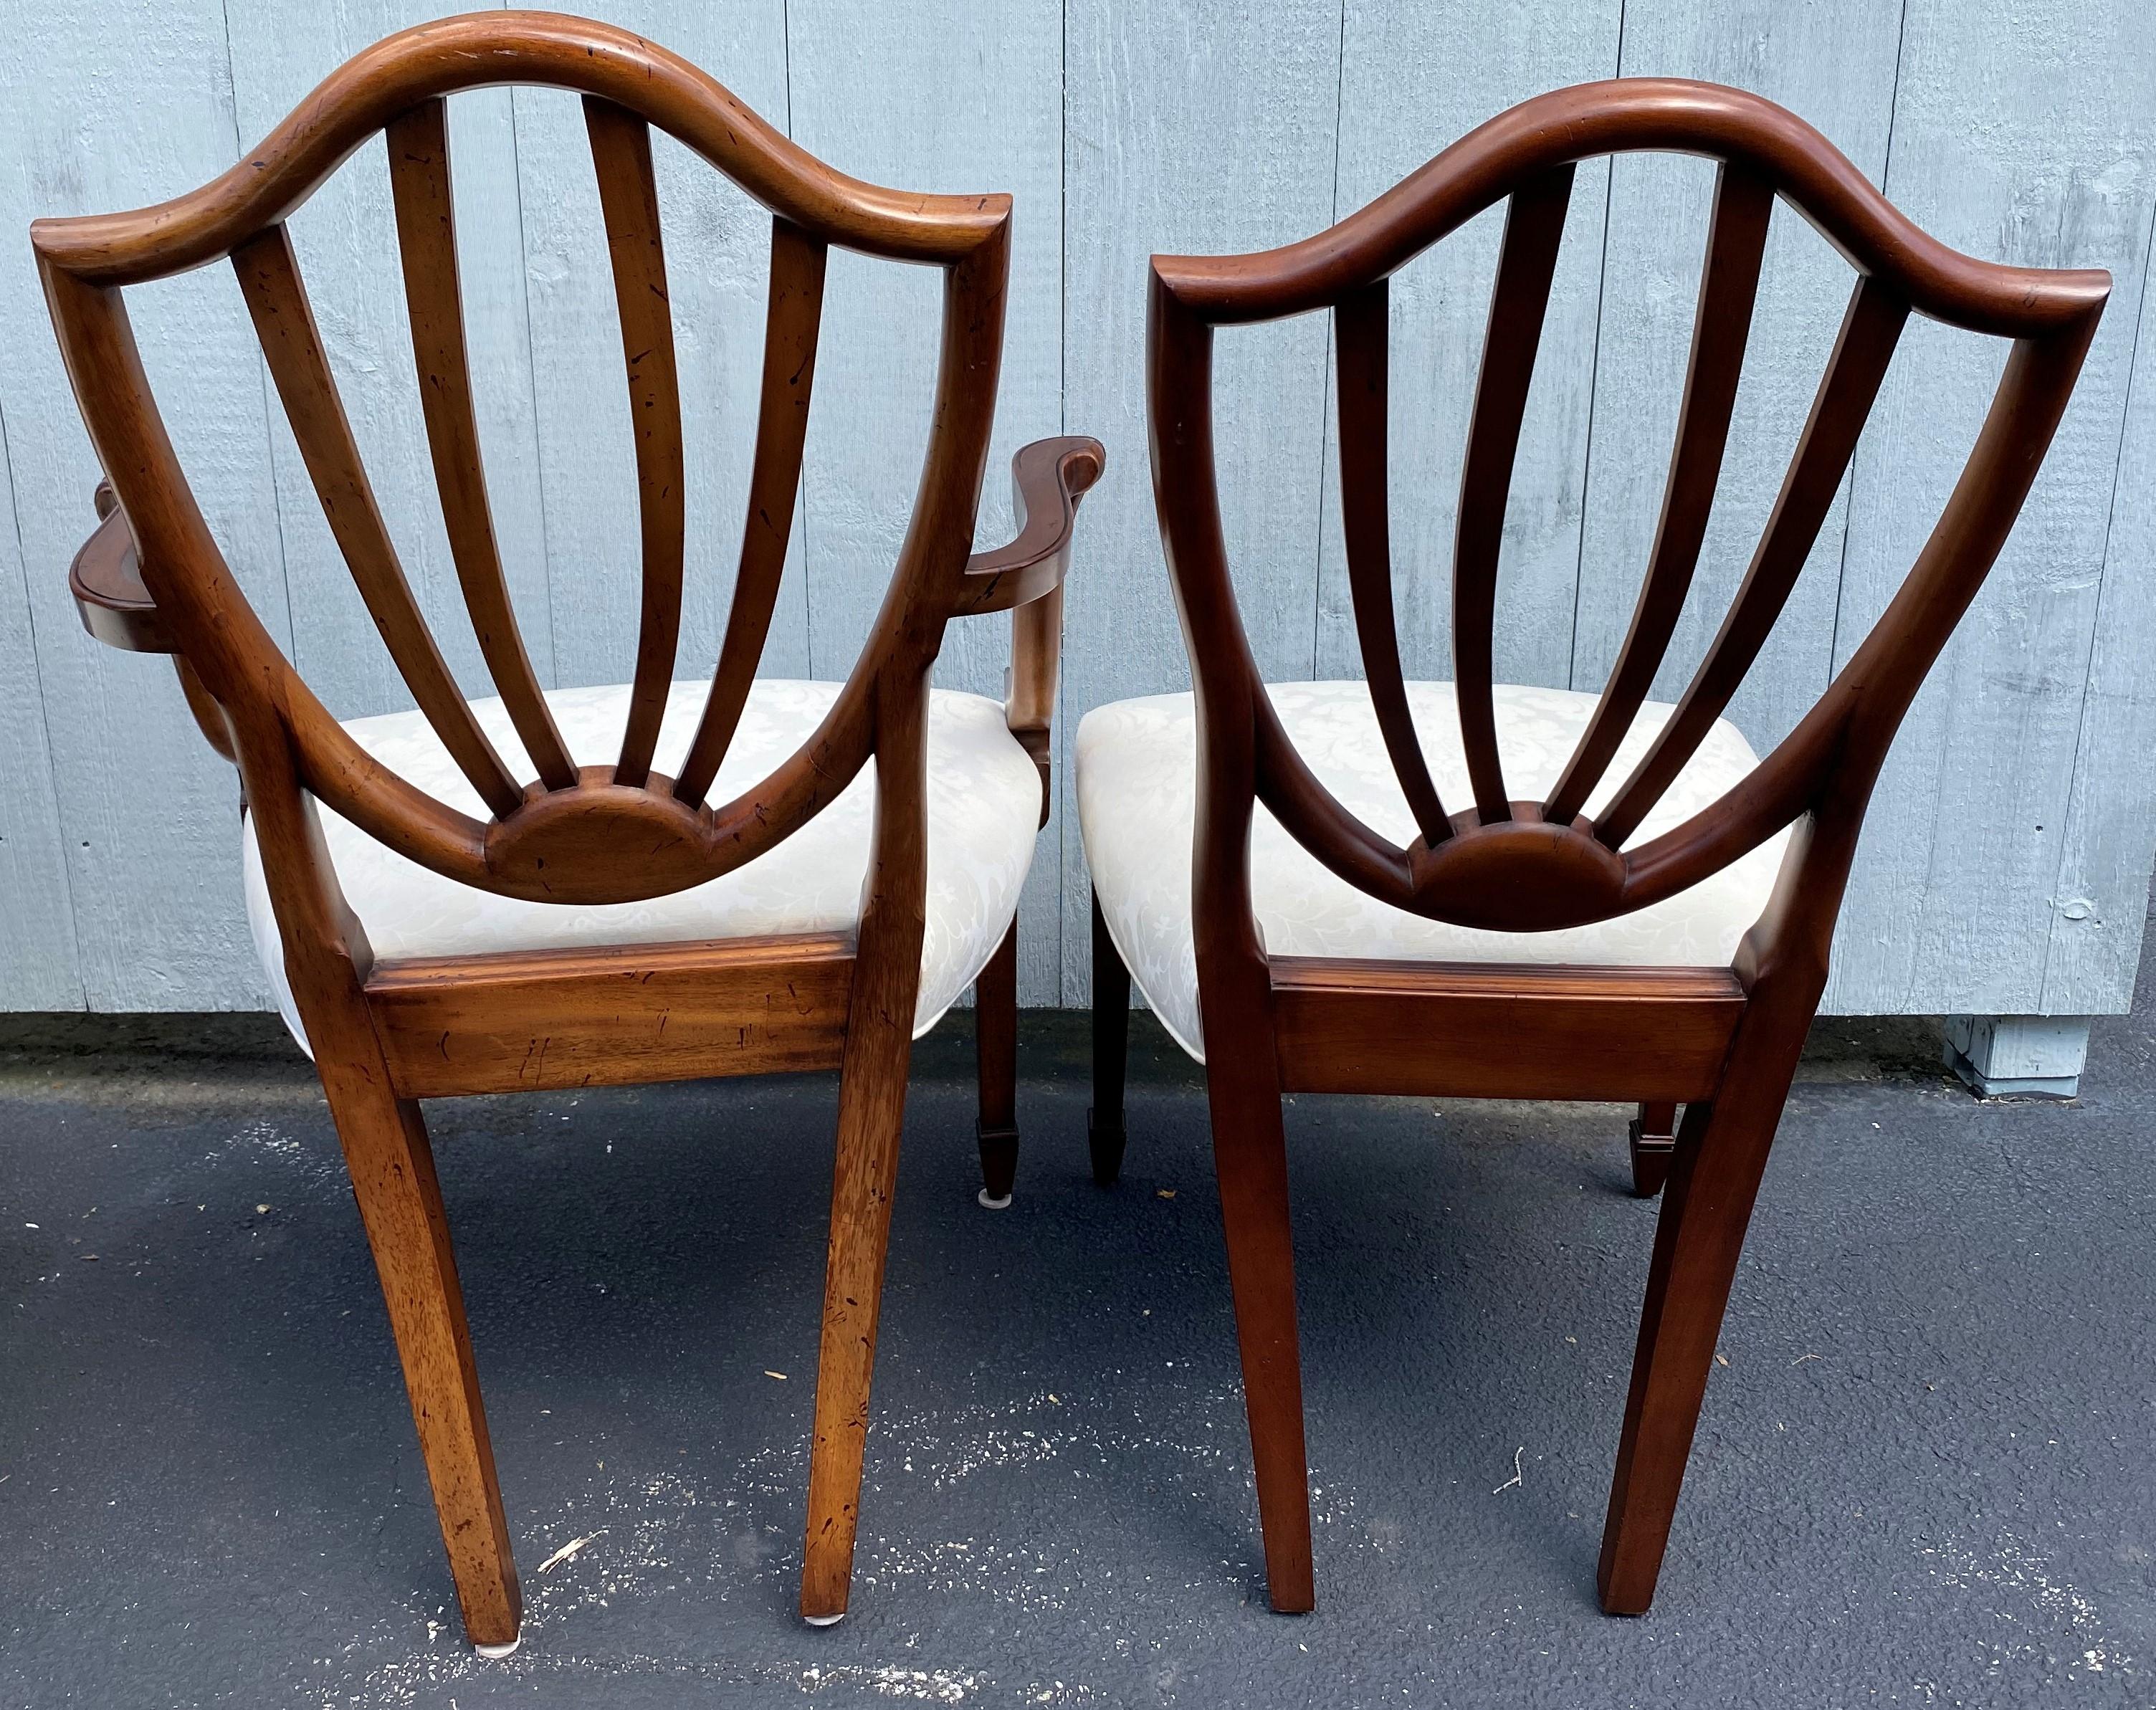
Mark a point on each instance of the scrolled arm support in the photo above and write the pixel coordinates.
(1025, 578)
(107, 582)
(1048, 478)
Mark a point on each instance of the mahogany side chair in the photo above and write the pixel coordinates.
(1621, 901)
(446, 899)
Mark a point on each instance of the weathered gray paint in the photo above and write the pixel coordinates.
(344, 238)
(1188, 127)
(2009, 868)
(1835, 64)
(2029, 133)
(923, 94)
(108, 107)
(37, 925)
(2018, 1057)
(1394, 115)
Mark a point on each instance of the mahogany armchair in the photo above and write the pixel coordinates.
(717, 890)
(1622, 902)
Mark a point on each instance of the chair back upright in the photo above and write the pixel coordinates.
(587, 829)
(1494, 862)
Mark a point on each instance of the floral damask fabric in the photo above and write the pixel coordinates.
(1137, 772)
(984, 806)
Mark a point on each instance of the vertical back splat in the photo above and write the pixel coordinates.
(628, 196)
(1728, 288)
(1870, 330)
(1361, 347)
(1534, 226)
(269, 280)
(791, 324)
(426, 232)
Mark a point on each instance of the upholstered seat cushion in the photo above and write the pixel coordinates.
(1136, 771)
(984, 809)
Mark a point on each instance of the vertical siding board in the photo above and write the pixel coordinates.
(718, 263)
(2008, 869)
(120, 105)
(2100, 900)
(1833, 64)
(926, 98)
(2024, 135)
(38, 969)
(1190, 126)
(1414, 80)
(345, 239)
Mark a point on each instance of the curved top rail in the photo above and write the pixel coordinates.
(1624, 115)
(477, 50)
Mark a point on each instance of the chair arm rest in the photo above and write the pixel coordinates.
(107, 582)
(1048, 478)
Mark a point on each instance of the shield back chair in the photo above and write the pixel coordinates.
(1451, 889)
(719, 889)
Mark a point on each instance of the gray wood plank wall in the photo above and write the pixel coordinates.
(2008, 861)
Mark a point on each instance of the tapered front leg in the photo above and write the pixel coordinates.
(400, 1201)
(1111, 1037)
(995, 1037)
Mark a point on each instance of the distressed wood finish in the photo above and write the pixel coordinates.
(542, 1021)
(153, 578)
(116, 608)
(418, 144)
(1722, 1042)
(106, 584)
(718, 247)
(629, 198)
(872, 1115)
(342, 238)
(795, 318)
(284, 321)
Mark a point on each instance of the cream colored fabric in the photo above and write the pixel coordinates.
(983, 807)
(1137, 770)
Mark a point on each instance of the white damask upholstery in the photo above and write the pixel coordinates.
(983, 807)
(1137, 761)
